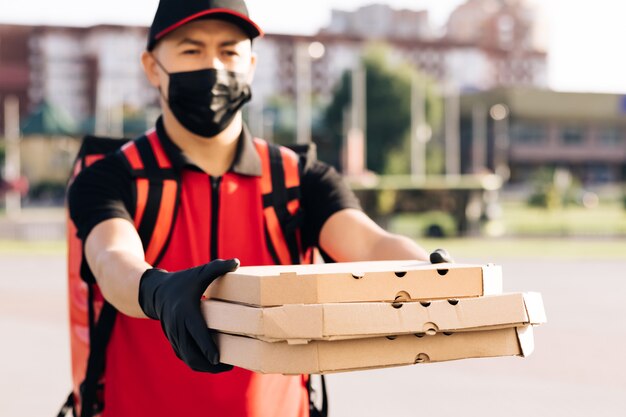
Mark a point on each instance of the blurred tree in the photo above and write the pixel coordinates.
(279, 115)
(388, 107)
(547, 192)
(281, 112)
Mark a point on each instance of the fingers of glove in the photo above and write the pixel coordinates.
(440, 256)
(192, 355)
(215, 269)
(220, 367)
(203, 339)
(173, 336)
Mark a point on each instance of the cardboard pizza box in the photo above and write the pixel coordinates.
(360, 354)
(390, 281)
(300, 323)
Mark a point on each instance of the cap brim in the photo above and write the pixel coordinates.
(244, 22)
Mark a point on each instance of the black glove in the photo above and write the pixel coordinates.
(440, 256)
(173, 298)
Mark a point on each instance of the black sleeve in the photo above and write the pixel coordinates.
(100, 192)
(324, 193)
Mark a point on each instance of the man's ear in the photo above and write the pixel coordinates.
(150, 68)
(252, 71)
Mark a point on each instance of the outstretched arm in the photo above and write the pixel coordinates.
(115, 255)
(350, 236)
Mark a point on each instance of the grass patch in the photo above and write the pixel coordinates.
(520, 220)
(482, 249)
(489, 249)
(10, 247)
(608, 219)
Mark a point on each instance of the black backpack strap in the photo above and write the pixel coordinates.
(279, 199)
(313, 398)
(91, 404)
(158, 200)
(67, 406)
(160, 205)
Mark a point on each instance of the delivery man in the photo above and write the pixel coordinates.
(199, 57)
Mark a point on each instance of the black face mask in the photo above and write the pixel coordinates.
(206, 101)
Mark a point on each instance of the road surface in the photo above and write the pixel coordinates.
(578, 367)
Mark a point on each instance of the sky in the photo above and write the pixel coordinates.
(584, 37)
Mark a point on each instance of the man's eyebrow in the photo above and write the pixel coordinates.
(232, 42)
(194, 42)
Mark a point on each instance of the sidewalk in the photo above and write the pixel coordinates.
(34, 223)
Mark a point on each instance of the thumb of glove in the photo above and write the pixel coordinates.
(215, 269)
(440, 256)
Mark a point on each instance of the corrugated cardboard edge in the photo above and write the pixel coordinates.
(306, 286)
(300, 323)
(535, 310)
(526, 340)
(358, 354)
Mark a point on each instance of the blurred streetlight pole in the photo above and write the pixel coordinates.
(452, 127)
(12, 167)
(109, 110)
(500, 114)
(421, 132)
(355, 147)
(358, 120)
(479, 137)
(305, 54)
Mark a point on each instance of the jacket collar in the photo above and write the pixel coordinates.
(246, 162)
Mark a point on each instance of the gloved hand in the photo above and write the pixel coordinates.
(173, 298)
(440, 256)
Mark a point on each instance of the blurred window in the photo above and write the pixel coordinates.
(611, 136)
(572, 135)
(529, 133)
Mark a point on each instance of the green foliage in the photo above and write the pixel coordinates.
(283, 112)
(547, 194)
(388, 110)
(544, 193)
(433, 223)
(396, 160)
(280, 115)
(435, 159)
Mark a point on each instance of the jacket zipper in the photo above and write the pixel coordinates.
(215, 204)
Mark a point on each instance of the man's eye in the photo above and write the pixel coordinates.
(230, 53)
(191, 52)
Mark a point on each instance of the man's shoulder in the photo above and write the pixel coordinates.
(101, 159)
(305, 154)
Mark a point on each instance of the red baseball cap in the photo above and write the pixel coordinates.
(172, 14)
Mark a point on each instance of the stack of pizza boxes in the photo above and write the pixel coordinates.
(309, 319)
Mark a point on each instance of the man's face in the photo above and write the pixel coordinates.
(197, 45)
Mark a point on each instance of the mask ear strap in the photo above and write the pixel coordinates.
(163, 95)
(165, 71)
(159, 64)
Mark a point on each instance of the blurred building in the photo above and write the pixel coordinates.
(379, 21)
(488, 43)
(14, 66)
(92, 74)
(510, 34)
(530, 129)
(505, 24)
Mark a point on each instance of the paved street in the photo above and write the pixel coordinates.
(578, 367)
